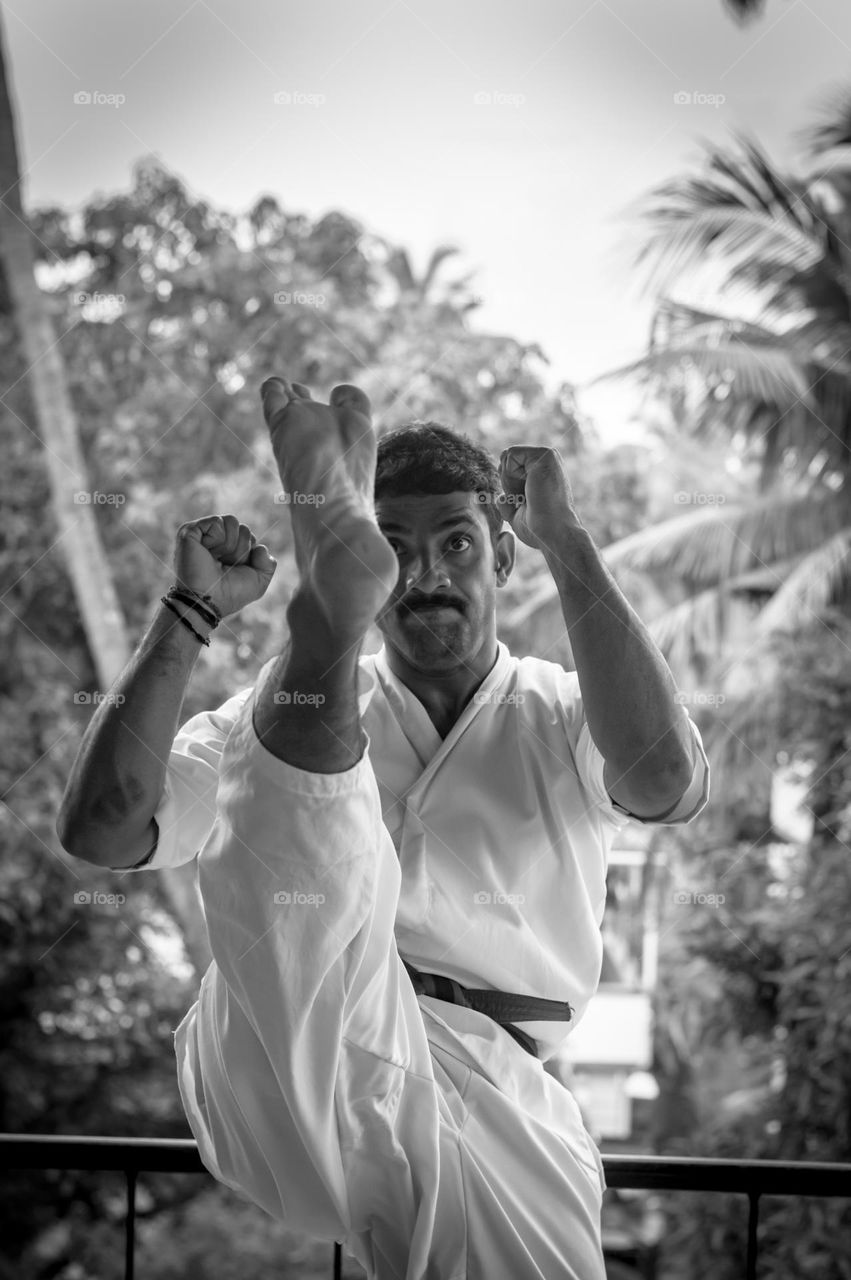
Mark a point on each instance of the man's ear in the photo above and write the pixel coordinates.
(506, 550)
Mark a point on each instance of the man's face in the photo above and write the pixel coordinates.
(441, 613)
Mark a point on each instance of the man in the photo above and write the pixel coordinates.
(440, 804)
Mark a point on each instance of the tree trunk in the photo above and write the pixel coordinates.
(57, 428)
(78, 535)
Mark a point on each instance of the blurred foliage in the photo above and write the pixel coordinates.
(754, 1006)
(747, 263)
(748, 347)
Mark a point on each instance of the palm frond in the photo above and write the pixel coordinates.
(832, 424)
(679, 242)
(438, 256)
(541, 591)
(674, 319)
(719, 543)
(697, 629)
(716, 546)
(741, 206)
(819, 579)
(822, 169)
(772, 373)
(833, 129)
(828, 339)
(399, 266)
(760, 185)
(789, 389)
(692, 629)
(742, 740)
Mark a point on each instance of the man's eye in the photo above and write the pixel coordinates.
(462, 537)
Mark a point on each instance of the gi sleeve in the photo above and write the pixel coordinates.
(590, 764)
(187, 808)
(684, 810)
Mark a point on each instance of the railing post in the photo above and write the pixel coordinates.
(753, 1215)
(130, 1230)
(338, 1262)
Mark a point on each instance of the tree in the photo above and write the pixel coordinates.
(764, 375)
(57, 427)
(454, 295)
(755, 1003)
(72, 497)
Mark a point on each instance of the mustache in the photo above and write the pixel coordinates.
(416, 602)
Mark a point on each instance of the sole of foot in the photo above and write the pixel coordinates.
(326, 461)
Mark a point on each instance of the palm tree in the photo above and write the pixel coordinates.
(454, 294)
(57, 427)
(765, 365)
(54, 415)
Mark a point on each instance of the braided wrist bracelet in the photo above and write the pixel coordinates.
(203, 605)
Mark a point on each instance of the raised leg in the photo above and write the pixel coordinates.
(306, 711)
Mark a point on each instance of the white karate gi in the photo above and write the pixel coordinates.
(313, 1078)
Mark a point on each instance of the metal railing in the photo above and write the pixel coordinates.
(132, 1156)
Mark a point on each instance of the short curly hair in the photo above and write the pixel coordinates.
(426, 457)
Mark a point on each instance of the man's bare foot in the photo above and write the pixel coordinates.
(326, 460)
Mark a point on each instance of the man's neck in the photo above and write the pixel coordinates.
(445, 694)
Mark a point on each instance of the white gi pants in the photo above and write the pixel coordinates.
(417, 1132)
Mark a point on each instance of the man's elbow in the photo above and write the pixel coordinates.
(671, 784)
(109, 847)
(677, 777)
(80, 839)
(645, 790)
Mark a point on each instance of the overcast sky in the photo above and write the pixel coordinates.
(518, 130)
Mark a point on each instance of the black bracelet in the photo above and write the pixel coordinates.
(176, 593)
(204, 639)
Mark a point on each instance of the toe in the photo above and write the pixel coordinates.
(346, 396)
(354, 413)
(276, 394)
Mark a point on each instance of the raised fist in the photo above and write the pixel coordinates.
(219, 557)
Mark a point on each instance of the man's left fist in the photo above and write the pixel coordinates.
(537, 498)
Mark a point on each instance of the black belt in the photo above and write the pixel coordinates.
(505, 1007)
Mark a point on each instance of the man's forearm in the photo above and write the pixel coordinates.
(117, 778)
(628, 692)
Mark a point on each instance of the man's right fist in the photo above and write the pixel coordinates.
(221, 558)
